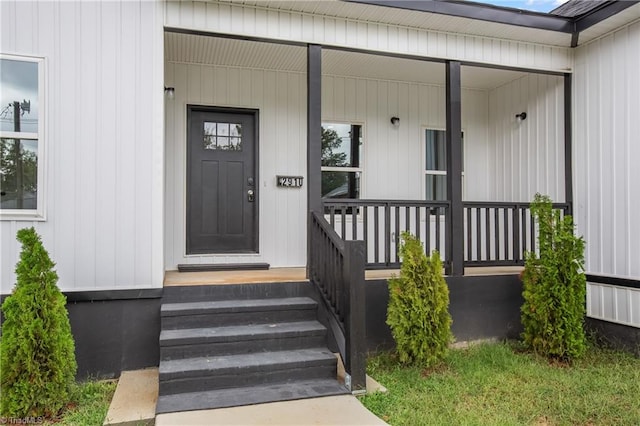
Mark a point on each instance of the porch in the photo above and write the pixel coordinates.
(353, 147)
(465, 196)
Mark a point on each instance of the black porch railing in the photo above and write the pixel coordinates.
(499, 233)
(337, 268)
(495, 233)
(379, 223)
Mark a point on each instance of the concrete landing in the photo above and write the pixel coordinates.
(134, 402)
(331, 410)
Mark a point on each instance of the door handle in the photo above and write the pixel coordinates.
(250, 195)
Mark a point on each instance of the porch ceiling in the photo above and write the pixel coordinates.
(189, 48)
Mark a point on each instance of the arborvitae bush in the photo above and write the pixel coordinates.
(554, 286)
(418, 311)
(37, 357)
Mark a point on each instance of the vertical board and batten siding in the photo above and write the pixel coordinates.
(393, 163)
(280, 98)
(606, 92)
(528, 156)
(614, 304)
(103, 140)
(284, 25)
(394, 157)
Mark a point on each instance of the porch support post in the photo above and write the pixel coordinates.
(454, 168)
(568, 136)
(314, 137)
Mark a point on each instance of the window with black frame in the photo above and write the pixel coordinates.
(341, 160)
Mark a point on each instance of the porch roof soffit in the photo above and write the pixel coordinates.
(367, 12)
(226, 52)
(470, 18)
(629, 15)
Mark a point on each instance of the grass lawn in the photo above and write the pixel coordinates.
(496, 384)
(89, 405)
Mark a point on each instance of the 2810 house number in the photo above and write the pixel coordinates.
(289, 181)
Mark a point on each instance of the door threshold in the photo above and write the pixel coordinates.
(208, 267)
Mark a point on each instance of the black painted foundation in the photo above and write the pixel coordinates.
(115, 335)
(116, 331)
(617, 336)
(482, 307)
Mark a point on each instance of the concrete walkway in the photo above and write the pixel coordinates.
(134, 404)
(330, 410)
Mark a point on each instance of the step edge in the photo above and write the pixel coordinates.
(181, 310)
(339, 389)
(240, 336)
(202, 372)
(273, 301)
(199, 371)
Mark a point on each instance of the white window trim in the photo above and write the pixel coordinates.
(426, 172)
(38, 214)
(341, 169)
(359, 169)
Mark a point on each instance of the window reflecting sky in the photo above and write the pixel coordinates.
(18, 82)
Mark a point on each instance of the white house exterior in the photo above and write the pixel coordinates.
(112, 147)
(102, 214)
(606, 147)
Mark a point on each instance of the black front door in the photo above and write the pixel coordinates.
(221, 181)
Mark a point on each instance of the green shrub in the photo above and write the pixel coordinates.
(554, 286)
(37, 348)
(418, 306)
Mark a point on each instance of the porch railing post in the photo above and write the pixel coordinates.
(568, 136)
(356, 362)
(516, 234)
(454, 166)
(387, 234)
(314, 137)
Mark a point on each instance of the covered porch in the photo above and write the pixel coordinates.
(404, 169)
(459, 178)
(355, 146)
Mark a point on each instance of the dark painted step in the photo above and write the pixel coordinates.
(279, 336)
(217, 372)
(227, 312)
(198, 293)
(242, 344)
(249, 395)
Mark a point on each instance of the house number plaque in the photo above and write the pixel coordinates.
(289, 181)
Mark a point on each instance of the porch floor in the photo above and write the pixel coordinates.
(278, 275)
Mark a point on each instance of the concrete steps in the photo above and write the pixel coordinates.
(262, 346)
(202, 374)
(263, 337)
(249, 395)
(225, 312)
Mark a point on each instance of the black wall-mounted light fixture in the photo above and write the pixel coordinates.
(170, 92)
(522, 116)
(395, 121)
